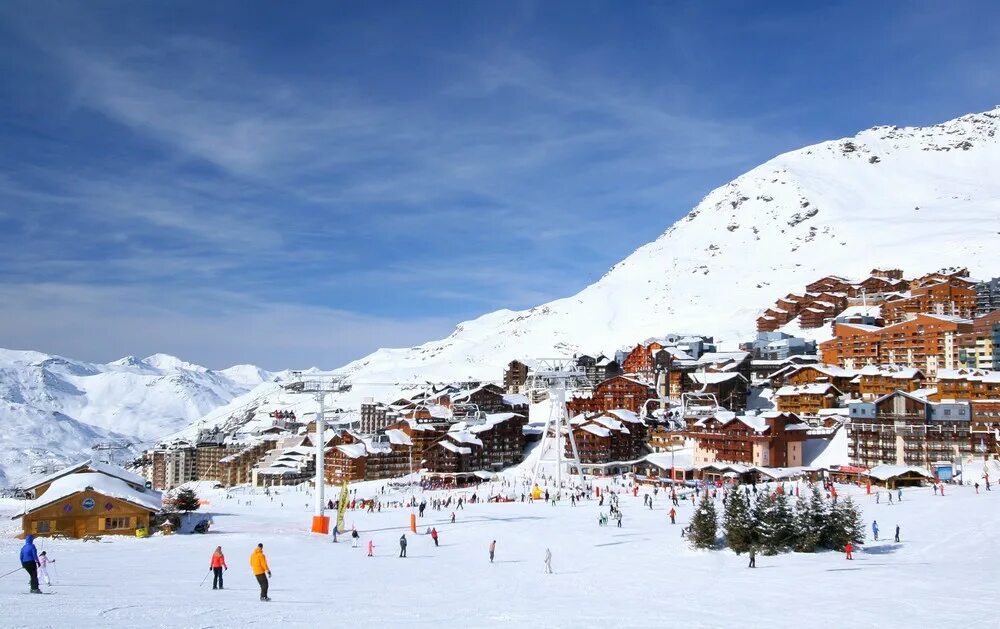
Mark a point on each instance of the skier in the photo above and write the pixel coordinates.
(43, 562)
(402, 545)
(493, 548)
(849, 548)
(29, 561)
(899, 495)
(935, 489)
(673, 516)
(877, 495)
(890, 497)
(452, 517)
(434, 535)
(753, 558)
(423, 505)
(548, 561)
(261, 571)
(335, 531)
(619, 519)
(897, 534)
(976, 485)
(371, 548)
(217, 565)
(354, 538)
(875, 529)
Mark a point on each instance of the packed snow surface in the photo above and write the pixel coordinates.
(941, 573)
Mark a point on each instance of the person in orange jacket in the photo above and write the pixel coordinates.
(217, 565)
(849, 548)
(258, 564)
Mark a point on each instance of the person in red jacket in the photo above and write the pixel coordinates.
(434, 536)
(849, 548)
(673, 516)
(217, 565)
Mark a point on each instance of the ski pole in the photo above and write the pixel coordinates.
(205, 577)
(11, 572)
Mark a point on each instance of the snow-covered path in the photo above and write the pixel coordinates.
(642, 575)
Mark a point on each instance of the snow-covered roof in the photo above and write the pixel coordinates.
(885, 472)
(610, 423)
(96, 466)
(99, 482)
(353, 450)
(972, 375)
(680, 459)
(448, 445)
(813, 388)
(398, 437)
(600, 431)
(702, 377)
(464, 436)
(515, 399)
(625, 415)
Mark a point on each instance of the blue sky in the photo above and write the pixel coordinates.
(292, 184)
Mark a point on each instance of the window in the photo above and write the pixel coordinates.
(111, 524)
(42, 526)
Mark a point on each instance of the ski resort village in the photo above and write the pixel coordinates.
(871, 435)
(499, 314)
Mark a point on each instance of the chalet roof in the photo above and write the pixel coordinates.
(625, 415)
(891, 371)
(95, 466)
(600, 431)
(832, 371)
(813, 388)
(904, 394)
(972, 375)
(353, 450)
(464, 436)
(398, 437)
(448, 445)
(680, 460)
(704, 377)
(885, 472)
(611, 424)
(101, 483)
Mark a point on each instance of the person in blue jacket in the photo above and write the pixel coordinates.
(29, 561)
(875, 529)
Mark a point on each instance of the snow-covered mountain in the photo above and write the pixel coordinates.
(54, 408)
(914, 198)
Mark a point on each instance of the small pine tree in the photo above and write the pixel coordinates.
(843, 524)
(761, 531)
(704, 525)
(805, 540)
(186, 501)
(854, 524)
(776, 523)
(738, 524)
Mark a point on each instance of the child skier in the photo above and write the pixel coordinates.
(434, 535)
(354, 538)
(875, 529)
(43, 562)
(548, 561)
(849, 548)
(371, 548)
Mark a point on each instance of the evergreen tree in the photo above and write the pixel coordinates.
(810, 522)
(738, 524)
(843, 524)
(854, 524)
(761, 531)
(186, 501)
(776, 523)
(703, 524)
